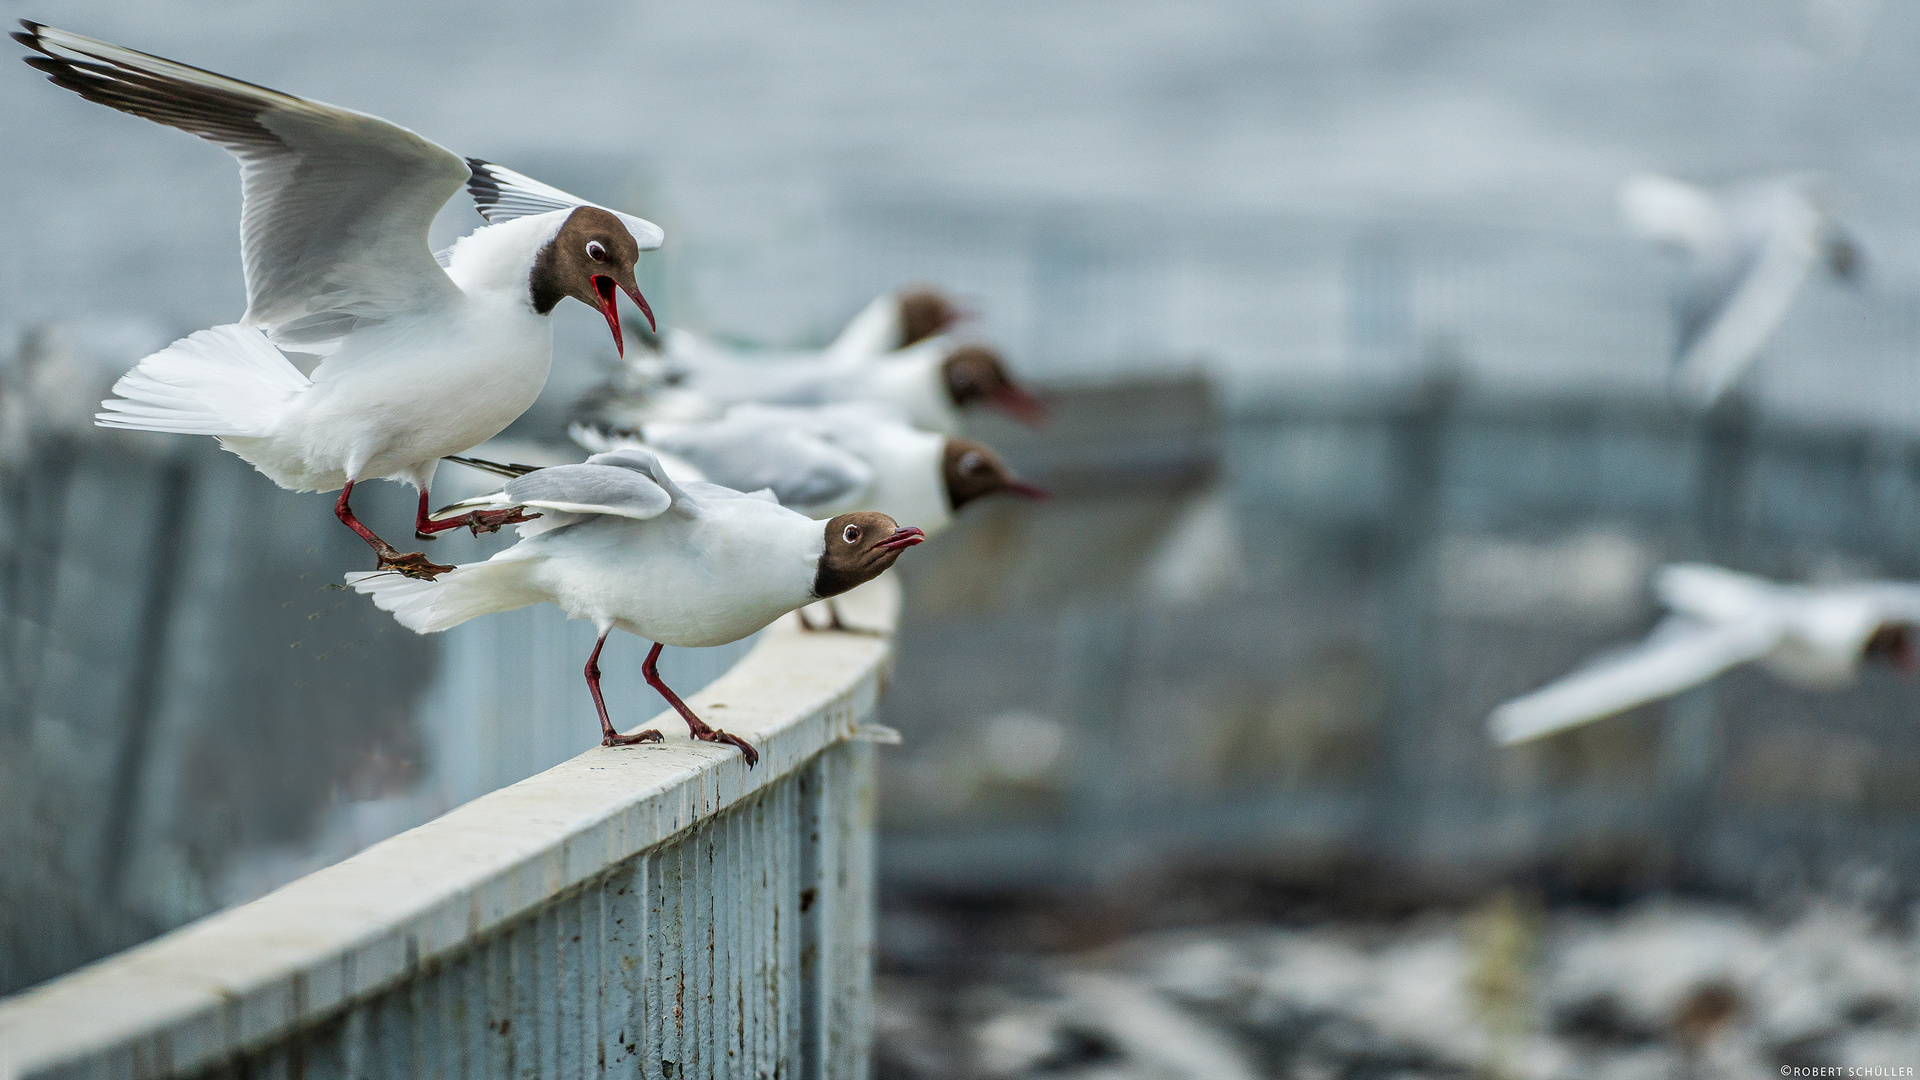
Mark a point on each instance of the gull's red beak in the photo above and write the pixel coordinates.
(1028, 491)
(904, 537)
(641, 303)
(604, 287)
(1020, 405)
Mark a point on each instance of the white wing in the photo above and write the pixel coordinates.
(873, 332)
(502, 195)
(1893, 601)
(1713, 593)
(1673, 212)
(336, 207)
(1680, 653)
(1751, 314)
(800, 468)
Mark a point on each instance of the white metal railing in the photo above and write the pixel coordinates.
(658, 910)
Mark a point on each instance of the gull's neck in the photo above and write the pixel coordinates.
(498, 259)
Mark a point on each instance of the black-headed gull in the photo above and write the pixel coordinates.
(927, 384)
(410, 361)
(830, 459)
(894, 321)
(622, 544)
(1815, 636)
(1749, 249)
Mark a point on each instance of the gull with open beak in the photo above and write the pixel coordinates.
(621, 543)
(362, 353)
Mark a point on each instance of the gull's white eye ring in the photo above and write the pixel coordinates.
(851, 534)
(970, 462)
(596, 251)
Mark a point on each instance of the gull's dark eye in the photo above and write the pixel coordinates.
(851, 534)
(596, 251)
(971, 463)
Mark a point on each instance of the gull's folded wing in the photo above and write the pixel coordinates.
(800, 468)
(1680, 653)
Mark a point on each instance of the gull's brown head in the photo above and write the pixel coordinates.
(860, 547)
(924, 312)
(971, 470)
(976, 373)
(1893, 644)
(590, 258)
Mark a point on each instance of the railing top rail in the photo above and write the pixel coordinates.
(236, 979)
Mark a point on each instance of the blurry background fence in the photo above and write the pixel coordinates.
(1327, 597)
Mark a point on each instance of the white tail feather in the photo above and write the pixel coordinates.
(465, 592)
(227, 381)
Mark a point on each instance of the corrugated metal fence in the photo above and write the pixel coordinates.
(660, 911)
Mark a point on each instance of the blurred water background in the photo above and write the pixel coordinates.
(1360, 428)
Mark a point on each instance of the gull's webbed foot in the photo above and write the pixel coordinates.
(413, 564)
(715, 735)
(634, 739)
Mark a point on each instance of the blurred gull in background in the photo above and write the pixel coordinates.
(926, 384)
(1749, 251)
(1814, 636)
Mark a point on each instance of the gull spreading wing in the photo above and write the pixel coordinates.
(336, 203)
(1680, 653)
(800, 468)
(502, 195)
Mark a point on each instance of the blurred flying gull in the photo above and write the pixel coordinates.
(619, 542)
(409, 356)
(1749, 249)
(1813, 636)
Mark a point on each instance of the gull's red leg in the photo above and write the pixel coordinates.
(413, 564)
(696, 726)
(479, 521)
(608, 736)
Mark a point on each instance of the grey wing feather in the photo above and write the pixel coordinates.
(336, 203)
(503, 195)
(801, 469)
(591, 489)
(1680, 653)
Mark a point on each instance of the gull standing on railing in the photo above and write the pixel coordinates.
(1810, 635)
(927, 382)
(406, 361)
(828, 460)
(622, 544)
(1749, 251)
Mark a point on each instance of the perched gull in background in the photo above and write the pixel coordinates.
(830, 460)
(649, 385)
(402, 361)
(1750, 250)
(621, 543)
(895, 321)
(1814, 636)
(890, 322)
(926, 384)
